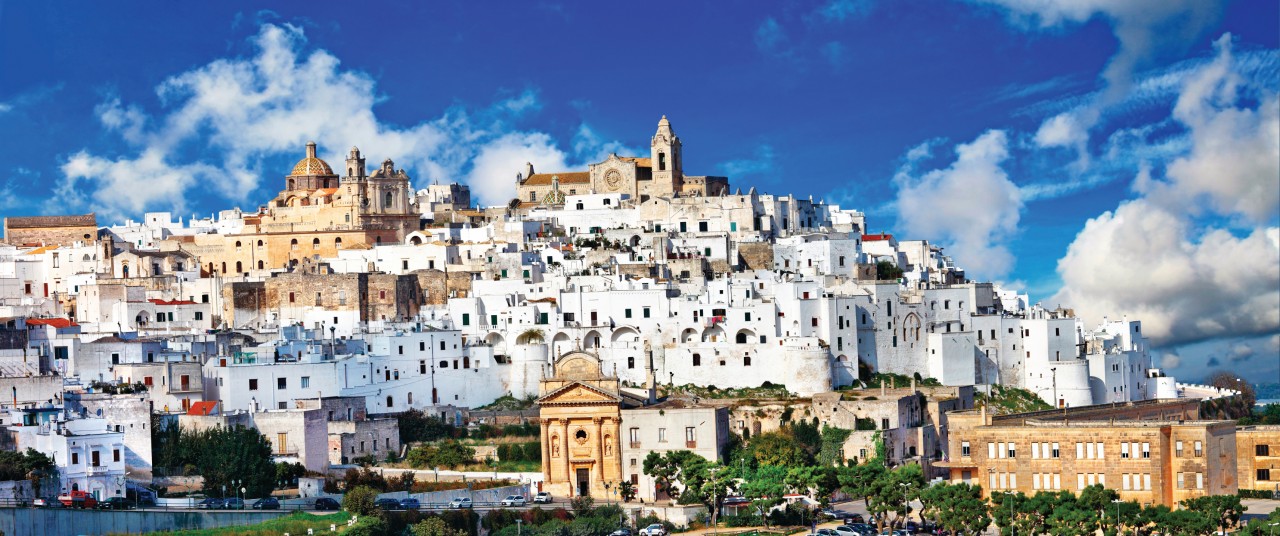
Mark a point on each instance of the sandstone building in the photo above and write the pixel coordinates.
(639, 178)
(51, 230)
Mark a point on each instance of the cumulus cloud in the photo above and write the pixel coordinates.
(970, 207)
(1196, 255)
(1170, 360)
(1241, 352)
(4, 107)
(840, 10)
(220, 120)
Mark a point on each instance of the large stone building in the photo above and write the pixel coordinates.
(1150, 452)
(1258, 457)
(639, 178)
(580, 411)
(51, 230)
(317, 214)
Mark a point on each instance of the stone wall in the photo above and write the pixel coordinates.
(755, 256)
(51, 230)
(34, 521)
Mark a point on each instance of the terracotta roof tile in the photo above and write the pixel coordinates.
(569, 177)
(55, 322)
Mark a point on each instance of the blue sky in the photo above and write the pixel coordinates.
(1117, 158)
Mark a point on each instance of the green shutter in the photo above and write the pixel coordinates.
(466, 319)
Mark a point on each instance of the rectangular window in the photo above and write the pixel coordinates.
(199, 315)
(115, 455)
(991, 451)
(1146, 450)
(1057, 481)
(1264, 474)
(1258, 450)
(1124, 482)
(646, 312)
(635, 436)
(1146, 481)
(1088, 449)
(1200, 449)
(75, 458)
(1035, 481)
(1099, 449)
(1079, 451)
(993, 481)
(626, 313)
(964, 448)
(1035, 451)
(253, 385)
(1182, 484)
(1199, 480)
(1177, 449)
(1055, 450)
(466, 319)
(1124, 450)
(662, 435)
(281, 383)
(306, 382)
(1079, 480)
(690, 435)
(1013, 450)
(1013, 480)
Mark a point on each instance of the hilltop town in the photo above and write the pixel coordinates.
(620, 311)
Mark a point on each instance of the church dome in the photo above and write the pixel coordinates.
(310, 165)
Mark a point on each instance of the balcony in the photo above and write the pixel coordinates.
(635, 444)
(691, 444)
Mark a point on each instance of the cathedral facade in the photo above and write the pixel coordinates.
(661, 174)
(317, 213)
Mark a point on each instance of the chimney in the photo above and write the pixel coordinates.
(882, 388)
(913, 384)
(984, 414)
(651, 383)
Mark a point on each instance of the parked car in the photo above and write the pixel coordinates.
(542, 498)
(212, 503)
(655, 529)
(848, 530)
(460, 502)
(234, 503)
(115, 503)
(78, 499)
(410, 504)
(855, 518)
(326, 503)
(827, 532)
(862, 529)
(387, 504)
(624, 531)
(48, 502)
(513, 500)
(832, 513)
(267, 503)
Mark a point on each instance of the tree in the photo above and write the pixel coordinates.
(1229, 380)
(360, 501)
(416, 426)
(434, 526)
(673, 467)
(778, 448)
(240, 453)
(1184, 523)
(1261, 526)
(958, 508)
(819, 481)
(891, 491)
(764, 487)
(886, 270)
(1223, 510)
(627, 491)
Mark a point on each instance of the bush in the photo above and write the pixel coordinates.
(359, 501)
(650, 519)
(368, 526)
(743, 520)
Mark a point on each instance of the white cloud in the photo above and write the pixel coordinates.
(1068, 129)
(971, 207)
(761, 162)
(495, 166)
(1140, 26)
(5, 107)
(231, 113)
(1234, 162)
(1170, 360)
(1186, 286)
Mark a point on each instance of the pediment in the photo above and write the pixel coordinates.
(579, 393)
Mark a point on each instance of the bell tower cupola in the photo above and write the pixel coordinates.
(666, 158)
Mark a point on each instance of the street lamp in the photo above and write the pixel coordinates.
(906, 504)
(1117, 501)
(1273, 528)
(518, 522)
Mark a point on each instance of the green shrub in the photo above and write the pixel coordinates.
(359, 501)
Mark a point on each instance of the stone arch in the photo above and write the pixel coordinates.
(337, 243)
(495, 340)
(560, 342)
(625, 331)
(415, 240)
(315, 243)
(528, 337)
(239, 267)
(261, 264)
(911, 327)
(744, 336)
(143, 318)
(712, 334)
(688, 335)
(592, 339)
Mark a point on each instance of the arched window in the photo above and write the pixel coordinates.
(259, 244)
(741, 338)
(237, 246)
(409, 399)
(377, 240)
(389, 401)
(239, 267)
(387, 200)
(293, 244)
(631, 362)
(224, 267)
(662, 161)
(315, 243)
(337, 242)
(466, 361)
(260, 265)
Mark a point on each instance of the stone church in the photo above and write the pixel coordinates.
(580, 408)
(661, 174)
(317, 213)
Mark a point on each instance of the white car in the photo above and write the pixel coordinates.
(655, 529)
(460, 502)
(542, 498)
(513, 500)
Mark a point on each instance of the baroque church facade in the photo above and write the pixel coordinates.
(661, 174)
(317, 213)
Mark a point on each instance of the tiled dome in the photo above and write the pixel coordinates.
(310, 165)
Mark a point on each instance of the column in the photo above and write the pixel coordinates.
(546, 448)
(617, 448)
(598, 454)
(568, 467)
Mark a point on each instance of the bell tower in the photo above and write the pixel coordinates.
(666, 159)
(355, 164)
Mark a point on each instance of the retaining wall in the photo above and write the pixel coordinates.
(42, 521)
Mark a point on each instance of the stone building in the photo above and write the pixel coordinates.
(318, 213)
(639, 178)
(670, 426)
(580, 411)
(1150, 452)
(1258, 457)
(51, 230)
